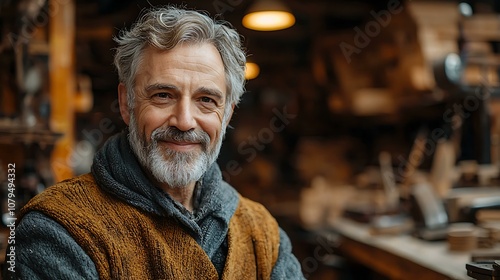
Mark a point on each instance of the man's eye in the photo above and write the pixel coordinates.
(161, 95)
(207, 100)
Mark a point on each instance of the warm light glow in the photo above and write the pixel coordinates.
(252, 70)
(268, 20)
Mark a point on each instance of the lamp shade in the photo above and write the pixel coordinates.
(268, 15)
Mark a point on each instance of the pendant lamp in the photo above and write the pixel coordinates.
(268, 15)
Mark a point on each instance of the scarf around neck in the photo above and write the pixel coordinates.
(117, 171)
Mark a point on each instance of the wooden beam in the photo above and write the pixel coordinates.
(62, 84)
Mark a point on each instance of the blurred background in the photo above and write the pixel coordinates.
(380, 117)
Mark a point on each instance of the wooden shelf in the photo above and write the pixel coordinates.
(24, 135)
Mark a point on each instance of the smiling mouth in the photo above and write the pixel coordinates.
(181, 146)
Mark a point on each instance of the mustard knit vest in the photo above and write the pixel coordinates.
(127, 243)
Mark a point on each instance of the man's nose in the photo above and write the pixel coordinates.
(182, 117)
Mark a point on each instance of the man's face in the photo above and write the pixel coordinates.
(176, 127)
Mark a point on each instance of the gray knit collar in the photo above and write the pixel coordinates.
(117, 171)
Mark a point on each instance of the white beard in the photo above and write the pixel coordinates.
(174, 168)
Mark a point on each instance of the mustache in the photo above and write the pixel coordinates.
(172, 133)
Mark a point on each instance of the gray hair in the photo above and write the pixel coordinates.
(166, 27)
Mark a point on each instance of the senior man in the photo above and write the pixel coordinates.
(154, 205)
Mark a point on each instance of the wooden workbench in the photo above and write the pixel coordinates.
(400, 256)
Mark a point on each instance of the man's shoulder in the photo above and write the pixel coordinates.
(72, 185)
(251, 205)
(78, 181)
(254, 211)
(252, 221)
(63, 194)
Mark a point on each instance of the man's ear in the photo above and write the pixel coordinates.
(123, 102)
